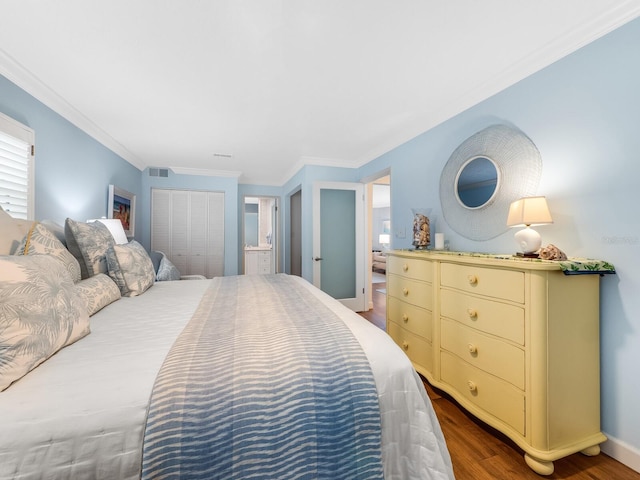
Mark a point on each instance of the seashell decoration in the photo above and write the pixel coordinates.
(421, 230)
(551, 252)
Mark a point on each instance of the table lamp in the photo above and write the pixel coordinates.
(384, 239)
(528, 211)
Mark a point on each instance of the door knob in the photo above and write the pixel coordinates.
(317, 259)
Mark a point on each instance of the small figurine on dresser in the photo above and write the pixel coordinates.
(551, 252)
(421, 232)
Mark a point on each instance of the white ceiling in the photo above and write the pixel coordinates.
(258, 88)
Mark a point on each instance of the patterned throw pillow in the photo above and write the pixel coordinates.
(98, 292)
(56, 229)
(131, 268)
(41, 241)
(88, 242)
(40, 313)
(167, 270)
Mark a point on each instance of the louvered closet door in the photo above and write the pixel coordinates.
(188, 226)
(215, 235)
(161, 220)
(179, 231)
(198, 218)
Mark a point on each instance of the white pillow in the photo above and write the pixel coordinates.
(40, 313)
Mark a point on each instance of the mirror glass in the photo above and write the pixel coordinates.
(477, 182)
(251, 222)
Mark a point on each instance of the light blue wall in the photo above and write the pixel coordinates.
(228, 185)
(73, 171)
(583, 113)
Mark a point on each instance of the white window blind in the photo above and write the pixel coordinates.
(16, 168)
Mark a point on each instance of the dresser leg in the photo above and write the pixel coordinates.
(591, 451)
(539, 466)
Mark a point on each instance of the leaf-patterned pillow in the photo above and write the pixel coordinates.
(98, 292)
(88, 242)
(131, 268)
(167, 270)
(41, 241)
(40, 313)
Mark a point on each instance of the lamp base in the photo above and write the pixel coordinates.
(528, 240)
(527, 255)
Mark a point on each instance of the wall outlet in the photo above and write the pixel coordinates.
(401, 233)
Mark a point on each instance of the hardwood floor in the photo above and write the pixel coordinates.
(378, 316)
(478, 452)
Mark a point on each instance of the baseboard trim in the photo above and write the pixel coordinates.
(622, 452)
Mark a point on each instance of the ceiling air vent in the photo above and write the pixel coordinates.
(159, 172)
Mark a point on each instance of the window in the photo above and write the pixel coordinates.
(16, 168)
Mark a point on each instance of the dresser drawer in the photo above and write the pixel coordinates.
(501, 319)
(485, 352)
(491, 282)
(494, 396)
(417, 349)
(414, 319)
(411, 291)
(410, 268)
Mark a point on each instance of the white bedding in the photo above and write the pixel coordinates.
(81, 413)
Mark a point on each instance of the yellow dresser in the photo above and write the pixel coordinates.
(515, 342)
(410, 309)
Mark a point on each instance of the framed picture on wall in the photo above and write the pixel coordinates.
(122, 205)
(386, 226)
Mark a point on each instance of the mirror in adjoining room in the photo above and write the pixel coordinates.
(259, 235)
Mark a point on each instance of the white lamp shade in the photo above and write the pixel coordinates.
(529, 211)
(384, 238)
(115, 227)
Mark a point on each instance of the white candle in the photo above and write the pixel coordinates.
(439, 241)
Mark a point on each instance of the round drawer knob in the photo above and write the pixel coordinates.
(405, 345)
(472, 279)
(405, 291)
(473, 313)
(473, 388)
(405, 267)
(472, 349)
(405, 317)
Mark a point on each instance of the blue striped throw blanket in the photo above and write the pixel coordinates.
(265, 382)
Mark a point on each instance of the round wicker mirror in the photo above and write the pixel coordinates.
(518, 166)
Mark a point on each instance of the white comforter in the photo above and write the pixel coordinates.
(81, 413)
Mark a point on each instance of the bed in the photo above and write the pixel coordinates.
(85, 411)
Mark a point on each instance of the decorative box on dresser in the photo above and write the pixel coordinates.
(514, 341)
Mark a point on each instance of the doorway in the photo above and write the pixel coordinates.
(295, 222)
(260, 235)
(339, 238)
(380, 235)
